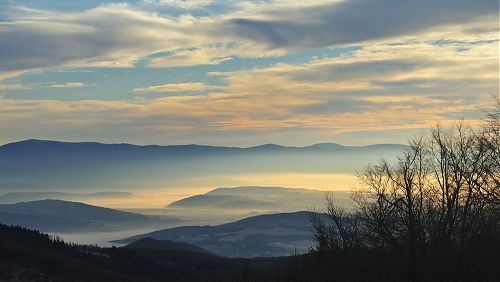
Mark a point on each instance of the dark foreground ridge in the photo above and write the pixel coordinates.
(27, 255)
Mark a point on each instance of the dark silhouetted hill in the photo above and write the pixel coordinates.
(27, 255)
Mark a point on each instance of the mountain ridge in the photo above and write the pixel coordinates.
(275, 199)
(17, 197)
(40, 165)
(262, 146)
(266, 235)
(65, 216)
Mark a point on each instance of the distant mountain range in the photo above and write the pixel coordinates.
(268, 235)
(16, 197)
(42, 165)
(64, 216)
(260, 198)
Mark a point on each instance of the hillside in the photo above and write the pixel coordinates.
(260, 198)
(152, 244)
(258, 236)
(16, 197)
(64, 216)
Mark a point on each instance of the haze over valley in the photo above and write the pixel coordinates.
(155, 176)
(249, 141)
(169, 185)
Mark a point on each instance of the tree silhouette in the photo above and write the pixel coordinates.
(434, 212)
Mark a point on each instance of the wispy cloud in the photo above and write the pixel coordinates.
(67, 85)
(355, 21)
(113, 35)
(203, 55)
(175, 87)
(14, 86)
(118, 35)
(415, 63)
(424, 83)
(184, 4)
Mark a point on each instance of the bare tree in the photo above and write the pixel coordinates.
(391, 204)
(432, 210)
(491, 140)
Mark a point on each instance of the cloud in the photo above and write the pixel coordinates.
(203, 55)
(174, 87)
(120, 35)
(114, 35)
(426, 82)
(355, 21)
(14, 86)
(183, 4)
(67, 85)
(417, 63)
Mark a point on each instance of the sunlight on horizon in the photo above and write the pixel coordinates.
(160, 197)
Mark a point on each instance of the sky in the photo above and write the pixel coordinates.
(243, 73)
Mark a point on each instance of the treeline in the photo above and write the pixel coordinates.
(29, 255)
(432, 215)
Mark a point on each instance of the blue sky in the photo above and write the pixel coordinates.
(243, 73)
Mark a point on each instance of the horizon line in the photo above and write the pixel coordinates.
(195, 144)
